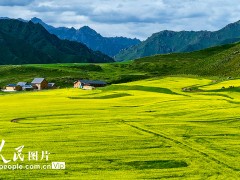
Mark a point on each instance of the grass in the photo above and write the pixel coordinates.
(65, 74)
(147, 129)
(222, 61)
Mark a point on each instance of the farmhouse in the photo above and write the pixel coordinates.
(51, 86)
(39, 83)
(89, 84)
(36, 84)
(13, 87)
(22, 83)
(25, 86)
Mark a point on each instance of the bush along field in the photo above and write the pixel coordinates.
(147, 129)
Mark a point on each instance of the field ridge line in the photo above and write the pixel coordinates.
(183, 144)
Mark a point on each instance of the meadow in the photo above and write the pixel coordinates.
(147, 129)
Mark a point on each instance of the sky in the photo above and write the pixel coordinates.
(128, 18)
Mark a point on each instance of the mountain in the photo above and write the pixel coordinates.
(29, 43)
(107, 45)
(166, 42)
(221, 61)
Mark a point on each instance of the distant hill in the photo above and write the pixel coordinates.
(216, 61)
(166, 42)
(29, 43)
(107, 45)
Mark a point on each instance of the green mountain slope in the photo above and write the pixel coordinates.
(217, 61)
(17, 51)
(184, 41)
(29, 43)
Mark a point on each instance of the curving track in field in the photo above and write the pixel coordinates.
(183, 145)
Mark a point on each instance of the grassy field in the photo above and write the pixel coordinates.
(65, 74)
(147, 129)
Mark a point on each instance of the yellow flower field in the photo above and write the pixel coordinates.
(147, 129)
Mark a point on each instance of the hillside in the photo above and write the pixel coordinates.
(65, 74)
(166, 42)
(29, 43)
(217, 61)
(107, 45)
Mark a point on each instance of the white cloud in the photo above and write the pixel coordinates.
(16, 12)
(131, 18)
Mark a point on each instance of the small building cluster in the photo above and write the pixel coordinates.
(36, 84)
(89, 84)
(41, 83)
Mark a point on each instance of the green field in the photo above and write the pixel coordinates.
(147, 129)
(65, 74)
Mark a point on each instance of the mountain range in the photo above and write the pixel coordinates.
(107, 45)
(166, 42)
(28, 43)
(23, 42)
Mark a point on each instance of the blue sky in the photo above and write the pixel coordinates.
(130, 18)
